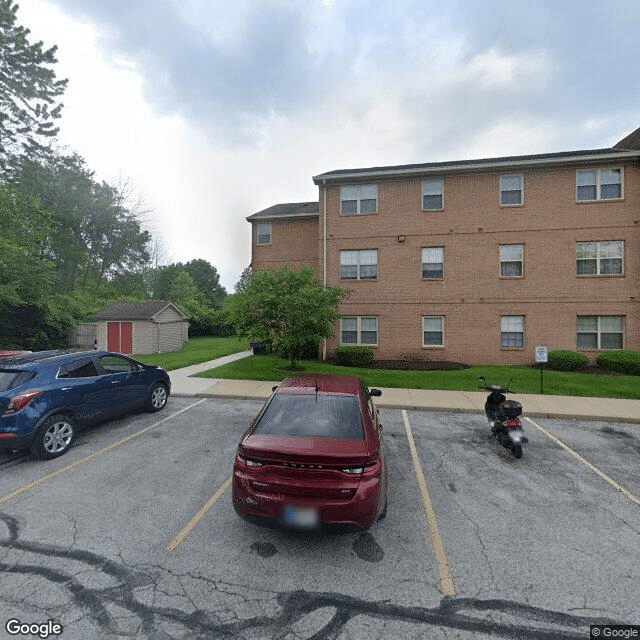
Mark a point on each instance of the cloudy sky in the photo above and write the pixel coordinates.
(214, 110)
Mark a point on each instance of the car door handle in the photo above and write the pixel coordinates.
(115, 382)
(65, 389)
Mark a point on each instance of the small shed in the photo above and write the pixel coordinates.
(141, 327)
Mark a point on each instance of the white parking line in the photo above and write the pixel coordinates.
(577, 456)
(446, 578)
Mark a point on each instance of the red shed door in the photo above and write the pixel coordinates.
(120, 337)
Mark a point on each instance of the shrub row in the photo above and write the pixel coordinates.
(354, 356)
(620, 360)
(561, 360)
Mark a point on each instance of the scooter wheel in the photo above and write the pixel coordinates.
(517, 450)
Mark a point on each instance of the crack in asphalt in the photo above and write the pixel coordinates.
(459, 614)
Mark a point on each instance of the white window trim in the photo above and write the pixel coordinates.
(598, 185)
(517, 244)
(359, 198)
(359, 342)
(598, 258)
(263, 244)
(357, 265)
(523, 333)
(512, 175)
(433, 346)
(422, 263)
(441, 180)
(599, 332)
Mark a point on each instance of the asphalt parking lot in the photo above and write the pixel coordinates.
(132, 534)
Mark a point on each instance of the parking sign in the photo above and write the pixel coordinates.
(542, 354)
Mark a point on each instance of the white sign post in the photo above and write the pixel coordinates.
(542, 356)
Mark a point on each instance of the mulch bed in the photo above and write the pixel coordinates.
(418, 365)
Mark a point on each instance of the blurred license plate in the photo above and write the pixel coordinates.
(300, 517)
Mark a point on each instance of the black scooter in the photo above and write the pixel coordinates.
(503, 416)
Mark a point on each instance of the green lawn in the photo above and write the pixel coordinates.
(527, 378)
(196, 350)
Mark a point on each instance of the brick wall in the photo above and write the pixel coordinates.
(473, 296)
(293, 243)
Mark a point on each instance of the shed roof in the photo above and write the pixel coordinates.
(136, 310)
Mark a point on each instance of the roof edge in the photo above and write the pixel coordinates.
(512, 162)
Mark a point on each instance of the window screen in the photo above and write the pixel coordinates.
(312, 416)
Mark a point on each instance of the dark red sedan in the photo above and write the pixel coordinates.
(313, 456)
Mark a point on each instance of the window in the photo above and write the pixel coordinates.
(359, 265)
(432, 195)
(359, 330)
(82, 369)
(598, 184)
(511, 260)
(312, 416)
(512, 331)
(600, 332)
(599, 258)
(433, 331)
(433, 262)
(115, 364)
(361, 198)
(511, 189)
(264, 233)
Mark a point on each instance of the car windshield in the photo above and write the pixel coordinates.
(10, 379)
(312, 416)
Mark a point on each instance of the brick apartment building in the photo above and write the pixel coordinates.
(475, 261)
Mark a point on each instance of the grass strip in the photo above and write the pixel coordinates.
(527, 378)
(195, 351)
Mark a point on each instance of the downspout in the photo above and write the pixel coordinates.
(324, 251)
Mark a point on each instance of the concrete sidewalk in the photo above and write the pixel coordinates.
(608, 409)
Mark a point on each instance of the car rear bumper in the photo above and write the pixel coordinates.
(359, 511)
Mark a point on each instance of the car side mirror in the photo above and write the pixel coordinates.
(273, 389)
(375, 392)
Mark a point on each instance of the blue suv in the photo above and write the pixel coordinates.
(47, 396)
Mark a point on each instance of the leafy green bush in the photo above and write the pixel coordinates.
(561, 360)
(354, 356)
(622, 361)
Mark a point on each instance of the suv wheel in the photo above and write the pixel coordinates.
(53, 437)
(157, 397)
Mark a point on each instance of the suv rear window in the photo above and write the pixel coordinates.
(312, 416)
(10, 379)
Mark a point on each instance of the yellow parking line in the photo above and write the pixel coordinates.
(56, 474)
(177, 541)
(577, 456)
(446, 578)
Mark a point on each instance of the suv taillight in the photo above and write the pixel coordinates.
(21, 401)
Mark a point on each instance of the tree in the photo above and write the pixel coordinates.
(28, 91)
(95, 235)
(287, 308)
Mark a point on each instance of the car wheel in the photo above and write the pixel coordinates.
(383, 513)
(158, 397)
(53, 437)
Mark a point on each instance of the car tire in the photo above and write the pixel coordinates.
(158, 397)
(383, 513)
(53, 437)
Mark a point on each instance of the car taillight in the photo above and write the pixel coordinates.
(243, 460)
(370, 468)
(21, 401)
